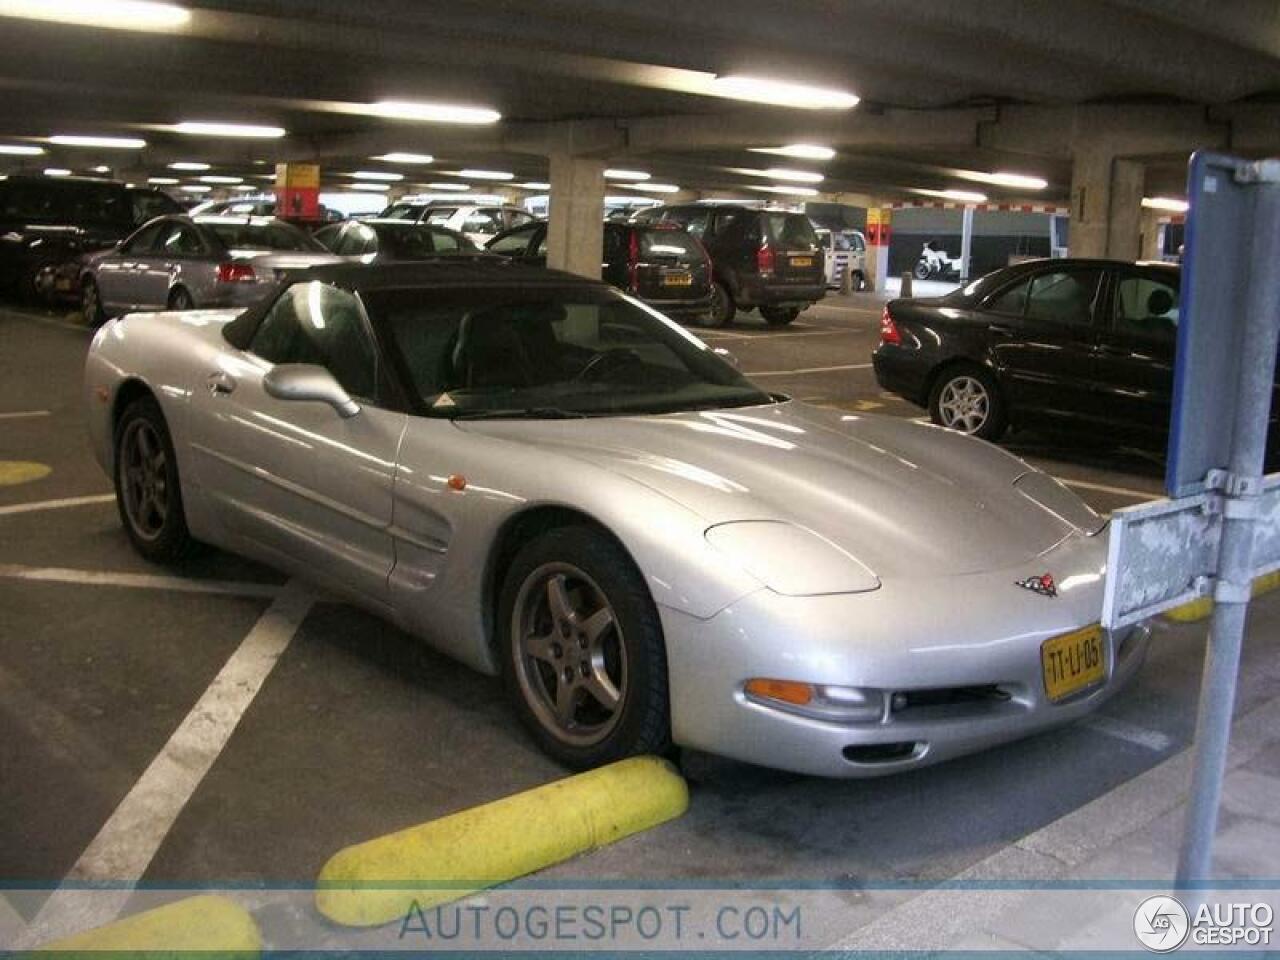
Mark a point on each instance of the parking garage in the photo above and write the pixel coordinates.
(305, 732)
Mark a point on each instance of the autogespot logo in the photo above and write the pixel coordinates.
(1161, 924)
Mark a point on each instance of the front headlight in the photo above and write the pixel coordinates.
(790, 560)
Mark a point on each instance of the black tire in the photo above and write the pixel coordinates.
(723, 308)
(779, 316)
(859, 282)
(982, 415)
(91, 303)
(159, 534)
(921, 270)
(180, 299)
(589, 564)
(37, 287)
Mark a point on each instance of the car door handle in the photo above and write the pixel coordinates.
(221, 384)
(1000, 329)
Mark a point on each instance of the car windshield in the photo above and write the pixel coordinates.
(271, 235)
(547, 352)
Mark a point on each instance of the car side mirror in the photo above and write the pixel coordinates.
(308, 381)
(728, 357)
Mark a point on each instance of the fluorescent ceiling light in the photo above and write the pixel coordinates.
(20, 150)
(214, 178)
(533, 185)
(781, 173)
(787, 191)
(652, 187)
(244, 186)
(462, 187)
(406, 158)
(101, 169)
(57, 172)
(1003, 179)
(194, 188)
(188, 165)
(798, 95)
(370, 187)
(1170, 204)
(963, 196)
(625, 175)
(482, 174)
(376, 175)
(201, 128)
(427, 112)
(163, 181)
(116, 14)
(798, 151)
(105, 143)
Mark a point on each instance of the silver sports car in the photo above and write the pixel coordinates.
(546, 479)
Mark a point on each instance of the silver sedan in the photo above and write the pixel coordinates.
(548, 480)
(181, 263)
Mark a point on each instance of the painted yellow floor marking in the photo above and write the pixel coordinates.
(381, 880)
(14, 472)
(209, 925)
(1201, 609)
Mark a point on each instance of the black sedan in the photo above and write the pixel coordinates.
(1046, 343)
(387, 241)
(664, 266)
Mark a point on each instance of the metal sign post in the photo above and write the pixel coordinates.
(1222, 529)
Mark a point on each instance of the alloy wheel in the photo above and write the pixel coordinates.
(964, 404)
(145, 479)
(570, 655)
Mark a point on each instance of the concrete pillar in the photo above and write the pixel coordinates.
(1150, 235)
(879, 233)
(966, 243)
(1106, 205)
(575, 225)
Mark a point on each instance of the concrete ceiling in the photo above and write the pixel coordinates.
(935, 78)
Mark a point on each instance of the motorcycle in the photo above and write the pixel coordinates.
(935, 263)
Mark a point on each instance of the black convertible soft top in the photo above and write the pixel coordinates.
(480, 271)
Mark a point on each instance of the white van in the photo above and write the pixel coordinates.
(844, 250)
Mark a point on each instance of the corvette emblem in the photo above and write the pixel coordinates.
(1042, 585)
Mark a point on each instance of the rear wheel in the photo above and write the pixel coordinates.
(722, 306)
(858, 281)
(582, 649)
(922, 271)
(779, 316)
(148, 493)
(91, 303)
(965, 398)
(180, 299)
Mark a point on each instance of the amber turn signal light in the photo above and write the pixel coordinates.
(787, 691)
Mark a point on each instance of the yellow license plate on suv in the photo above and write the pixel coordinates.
(677, 280)
(1072, 662)
(802, 261)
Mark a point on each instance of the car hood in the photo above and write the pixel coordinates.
(904, 498)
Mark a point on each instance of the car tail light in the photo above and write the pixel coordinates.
(236, 273)
(889, 332)
(633, 261)
(765, 258)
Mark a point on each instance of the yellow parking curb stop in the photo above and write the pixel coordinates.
(1201, 609)
(14, 472)
(206, 925)
(381, 880)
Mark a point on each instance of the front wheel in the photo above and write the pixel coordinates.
(779, 316)
(966, 399)
(148, 494)
(180, 299)
(922, 271)
(583, 658)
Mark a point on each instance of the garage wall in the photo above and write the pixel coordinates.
(997, 235)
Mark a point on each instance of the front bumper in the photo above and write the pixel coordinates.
(971, 631)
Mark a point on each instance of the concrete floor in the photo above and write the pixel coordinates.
(359, 731)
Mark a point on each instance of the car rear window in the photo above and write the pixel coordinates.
(262, 236)
(790, 231)
(440, 215)
(668, 243)
(400, 211)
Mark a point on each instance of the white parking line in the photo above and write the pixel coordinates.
(23, 414)
(56, 504)
(783, 373)
(1141, 736)
(127, 842)
(144, 581)
(1104, 488)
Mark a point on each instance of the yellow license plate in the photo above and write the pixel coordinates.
(802, 261)
(1072, 662)
(677, 280)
